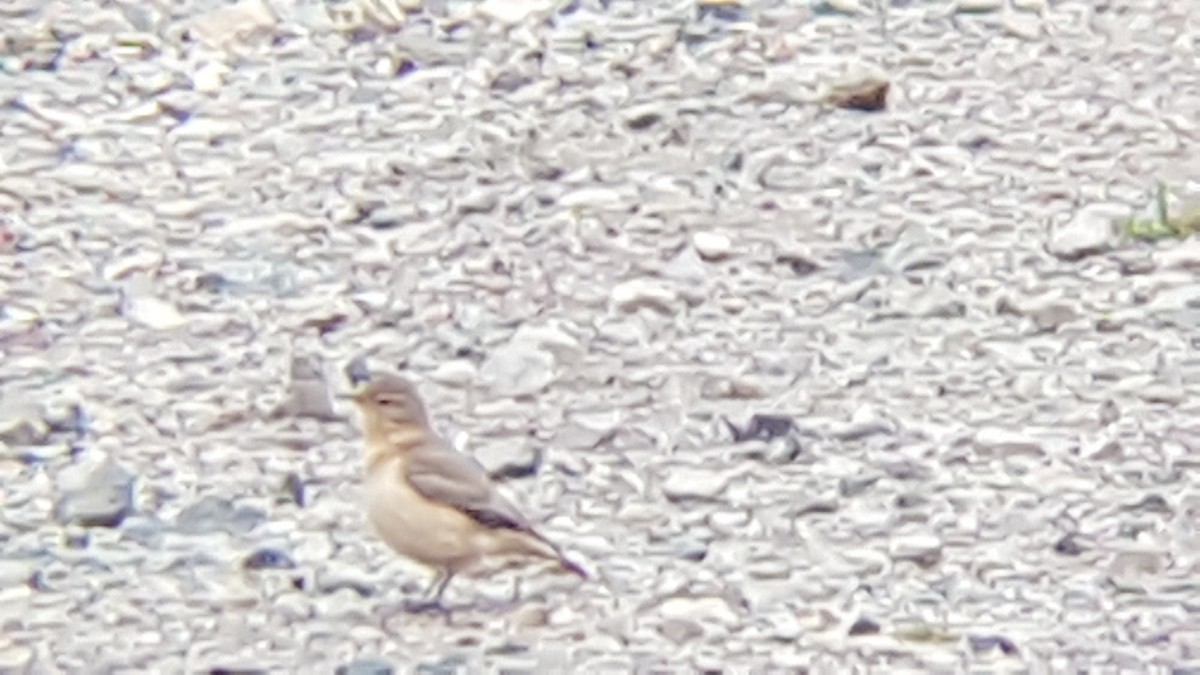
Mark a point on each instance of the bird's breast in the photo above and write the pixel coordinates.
(412, 525)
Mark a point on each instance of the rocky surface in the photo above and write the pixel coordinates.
(803, 386)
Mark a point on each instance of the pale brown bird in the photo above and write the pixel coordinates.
(431, 503)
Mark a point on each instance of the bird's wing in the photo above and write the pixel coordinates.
(443, 475)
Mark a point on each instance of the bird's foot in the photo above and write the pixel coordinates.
(425, 607)
(503, 606)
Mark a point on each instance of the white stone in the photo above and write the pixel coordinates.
(594, 197)
(508, 457)
(141, 260)
(770, 568)
(922, 548)
(1174, 299)
(1023, 25)
(518, 369)
(14, 658)
(1180, 255)
(680, 631)
(712, 245)
(687, 268)
(1088, 232)
(153, 313)
(210, 77)
(456, 373)
(1003, 442)
(512, 11)
(694, 483)
(23, 312)
(16, 572)
(633, 295)
(97, 493)
(1136, 562)
(704, 609)
(552, 338)
(222, 27)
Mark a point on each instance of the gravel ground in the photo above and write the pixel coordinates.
(804, 387)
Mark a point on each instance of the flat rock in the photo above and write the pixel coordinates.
(1088, 232)
(630, 296)
(1000, 442)
(509, 458)
(680, 630)
(694, 483)
(227, 25)
(151, 312)
(712, 245)
(15, 658)
(1180, 255)
(455, 373)
(22, 424)
(509, 12)
(366, 666)
(98, 496)
(702, 609)
(923, 549)
(518, 369)
(214, 514)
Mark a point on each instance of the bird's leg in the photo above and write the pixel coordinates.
(432, 602)
(440, 586)
(438, 576)
(516, 593)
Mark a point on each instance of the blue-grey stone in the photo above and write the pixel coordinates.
(366, 666)
(213, 514)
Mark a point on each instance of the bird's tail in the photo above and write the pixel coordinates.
(556, 553)
(572, 567)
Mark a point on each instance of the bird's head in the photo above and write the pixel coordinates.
(390, 404)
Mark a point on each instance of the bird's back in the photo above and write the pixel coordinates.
(442, 474)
